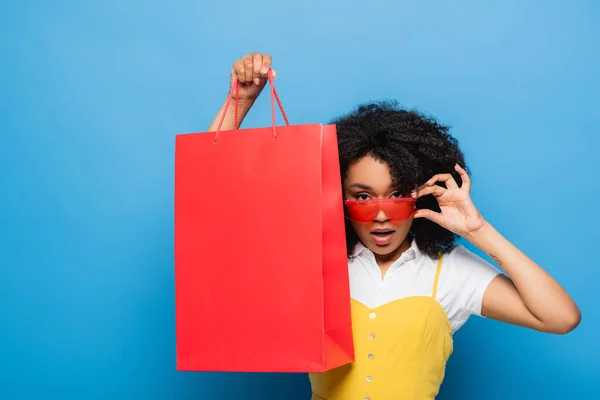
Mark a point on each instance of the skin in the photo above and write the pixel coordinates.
(370, 179)
(251, 70)
(526, 296)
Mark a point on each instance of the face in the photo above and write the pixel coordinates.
(370, 179)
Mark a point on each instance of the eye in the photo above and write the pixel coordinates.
(362, 196)
(396, 194)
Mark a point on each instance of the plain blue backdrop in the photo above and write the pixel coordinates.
(93, 93)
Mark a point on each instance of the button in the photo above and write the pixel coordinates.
(371, 356)
(373, 315)
(372, 336)
(369, 379)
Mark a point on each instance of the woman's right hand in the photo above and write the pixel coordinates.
(251, 70)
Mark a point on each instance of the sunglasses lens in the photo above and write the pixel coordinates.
(398, 211)
(367, 210)
(363, 211)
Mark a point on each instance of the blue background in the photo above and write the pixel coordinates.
(93, 93)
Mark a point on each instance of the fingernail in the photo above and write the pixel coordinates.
(257, 81)
(264, 71)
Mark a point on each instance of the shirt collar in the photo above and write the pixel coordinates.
(411, 253)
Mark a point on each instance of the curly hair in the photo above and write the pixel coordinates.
(415, 146)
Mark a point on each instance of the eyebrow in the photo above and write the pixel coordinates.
(361, 186)
(367, 187)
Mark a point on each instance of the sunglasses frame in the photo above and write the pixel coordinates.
(379, 208)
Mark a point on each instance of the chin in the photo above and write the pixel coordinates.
(383, 250)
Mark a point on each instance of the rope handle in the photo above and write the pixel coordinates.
(236, 87)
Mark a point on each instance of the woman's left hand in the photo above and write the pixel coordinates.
(458, 213)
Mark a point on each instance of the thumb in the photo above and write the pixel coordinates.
(233, 79)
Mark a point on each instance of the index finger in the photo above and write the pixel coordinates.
(238, 70)
(447, 178)
(435, 190)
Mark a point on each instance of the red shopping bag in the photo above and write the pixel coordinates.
(261, 272)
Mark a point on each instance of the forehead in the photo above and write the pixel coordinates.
(371, 172)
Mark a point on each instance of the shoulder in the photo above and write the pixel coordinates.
(462, 262)
(457, 260)
(464, 278)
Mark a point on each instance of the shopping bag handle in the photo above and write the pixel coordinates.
(274, 96)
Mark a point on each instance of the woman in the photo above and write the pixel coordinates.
(407, 199)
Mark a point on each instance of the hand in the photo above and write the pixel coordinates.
(458, 213)
(251, 70)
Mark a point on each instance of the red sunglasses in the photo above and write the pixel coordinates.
(396, 209)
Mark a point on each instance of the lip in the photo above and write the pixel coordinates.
(383, 230)
(382, 240)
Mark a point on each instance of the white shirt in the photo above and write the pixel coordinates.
(464, 277)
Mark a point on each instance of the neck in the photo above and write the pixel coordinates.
(384, 261)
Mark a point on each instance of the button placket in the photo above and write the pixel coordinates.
(369, 350)
(380, 295)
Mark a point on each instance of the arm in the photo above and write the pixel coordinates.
(251, 70)
(529, 296)
(244, 107)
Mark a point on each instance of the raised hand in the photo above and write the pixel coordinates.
(458, 213)
(251, 70)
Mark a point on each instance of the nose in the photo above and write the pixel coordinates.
(381, 216)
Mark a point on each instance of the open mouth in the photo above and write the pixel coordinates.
(382, 238)
(382, 233)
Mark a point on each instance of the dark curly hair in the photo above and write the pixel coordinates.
(415, 146)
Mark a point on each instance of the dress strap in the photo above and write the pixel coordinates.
(437, 276)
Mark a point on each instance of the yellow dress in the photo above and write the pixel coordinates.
(401, 350)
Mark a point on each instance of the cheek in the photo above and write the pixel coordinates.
(361, 228)
(403, 225)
